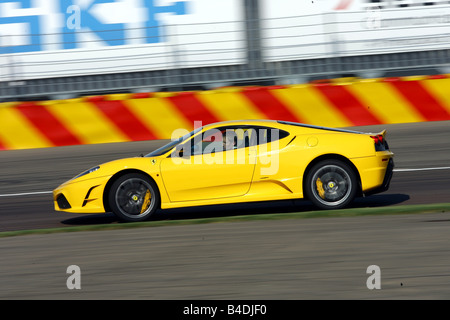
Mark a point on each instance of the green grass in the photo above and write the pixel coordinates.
(353, 212)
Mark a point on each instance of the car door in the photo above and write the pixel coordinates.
(208, 169)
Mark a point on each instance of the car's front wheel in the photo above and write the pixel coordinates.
(331, 184)
(134, 197)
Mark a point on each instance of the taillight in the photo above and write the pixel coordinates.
(380, 143)
(378, 138)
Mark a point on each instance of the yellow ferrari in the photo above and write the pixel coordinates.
(236, 161)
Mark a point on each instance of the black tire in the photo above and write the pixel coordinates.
(331, 184)
(134, 197)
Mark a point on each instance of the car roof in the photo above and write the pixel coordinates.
(276, 123)
(242, 122)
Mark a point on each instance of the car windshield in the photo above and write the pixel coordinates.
(162, 150)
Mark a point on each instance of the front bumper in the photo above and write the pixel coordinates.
(80, 196)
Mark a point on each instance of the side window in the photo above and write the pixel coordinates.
(266, 135)
(229, 138)
(212, 141)
(223, 139)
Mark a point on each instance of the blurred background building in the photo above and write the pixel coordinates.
(58, 49)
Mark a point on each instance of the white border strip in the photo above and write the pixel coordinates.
(421, 169)
(25, 194)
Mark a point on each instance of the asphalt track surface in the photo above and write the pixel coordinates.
(284, 259)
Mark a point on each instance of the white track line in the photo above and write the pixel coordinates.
(47, 192)
(24, 194)
(421, 169)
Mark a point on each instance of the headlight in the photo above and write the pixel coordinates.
(87, 172)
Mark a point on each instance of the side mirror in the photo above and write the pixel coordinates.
(180, 152)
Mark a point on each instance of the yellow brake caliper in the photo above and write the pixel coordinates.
(146, 202)
(319, 185)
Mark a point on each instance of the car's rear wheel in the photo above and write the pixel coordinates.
(331, 184)
(134, 197)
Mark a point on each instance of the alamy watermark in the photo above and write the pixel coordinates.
(74, 280)
(73, 21)
(229, 145)
(374, 280)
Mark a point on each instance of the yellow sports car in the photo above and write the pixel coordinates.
(236, 161)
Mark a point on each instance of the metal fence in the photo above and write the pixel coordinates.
(254, 51)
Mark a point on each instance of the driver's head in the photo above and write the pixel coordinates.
(228, 142)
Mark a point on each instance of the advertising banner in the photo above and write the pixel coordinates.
(293, 29)
(57, 38)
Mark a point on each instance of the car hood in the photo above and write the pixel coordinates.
(110, 168)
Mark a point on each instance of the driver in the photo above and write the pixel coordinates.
(228, 142)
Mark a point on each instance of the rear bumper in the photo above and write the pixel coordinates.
(386, 181)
